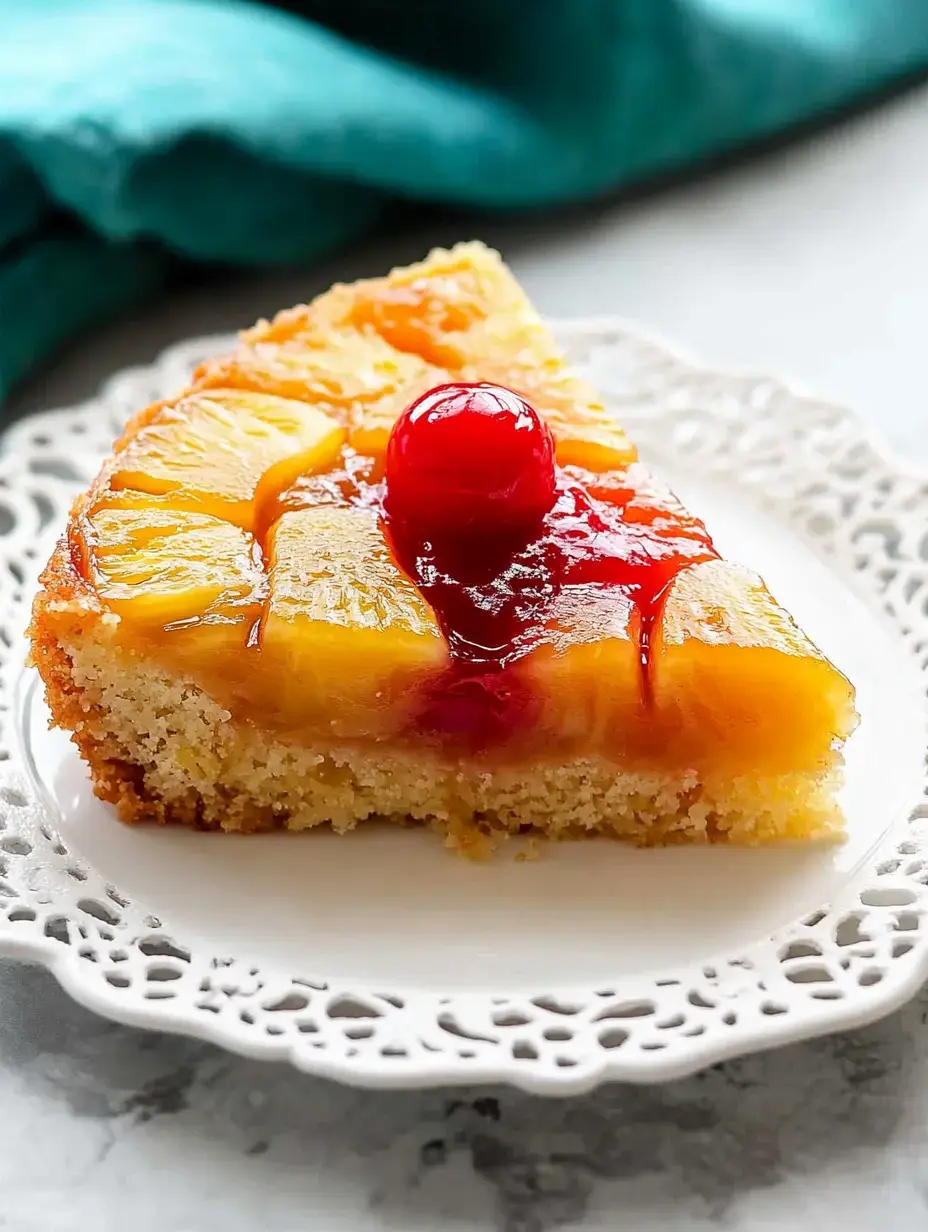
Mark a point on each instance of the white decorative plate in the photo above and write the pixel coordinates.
(381, 960)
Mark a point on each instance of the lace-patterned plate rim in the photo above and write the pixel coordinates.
(844, 965)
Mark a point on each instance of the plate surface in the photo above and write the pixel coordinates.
(380, 959)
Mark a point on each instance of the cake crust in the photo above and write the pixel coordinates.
(160, 750)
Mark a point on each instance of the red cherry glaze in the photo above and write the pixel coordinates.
(470, 457)
(491, 569)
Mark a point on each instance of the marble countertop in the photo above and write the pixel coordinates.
(106, 1128)
(810, 262)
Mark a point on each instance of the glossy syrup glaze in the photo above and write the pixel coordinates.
(492, 532)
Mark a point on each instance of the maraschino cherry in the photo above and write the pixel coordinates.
(470, 459)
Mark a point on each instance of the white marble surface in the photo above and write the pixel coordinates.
(811, 262)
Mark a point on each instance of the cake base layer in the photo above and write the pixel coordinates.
(161, 750)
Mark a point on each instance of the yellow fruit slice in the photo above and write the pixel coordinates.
(226, 452)
(168, 568)
(735, 677)
(357, 378)
(367, 350)
(596, 444)
(586, 673)
(463, 311)
(346, 635)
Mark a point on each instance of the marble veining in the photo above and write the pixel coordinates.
(105, 1127)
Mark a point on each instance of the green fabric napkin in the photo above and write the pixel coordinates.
(136, 132)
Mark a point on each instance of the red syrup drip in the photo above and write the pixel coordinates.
(492, 532)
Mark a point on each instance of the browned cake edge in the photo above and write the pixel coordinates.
(162, 751)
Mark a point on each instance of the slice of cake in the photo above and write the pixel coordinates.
(391, 558)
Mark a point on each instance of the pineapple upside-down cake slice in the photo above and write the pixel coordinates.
(391, 558)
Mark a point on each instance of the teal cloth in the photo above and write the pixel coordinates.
(134, 132)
